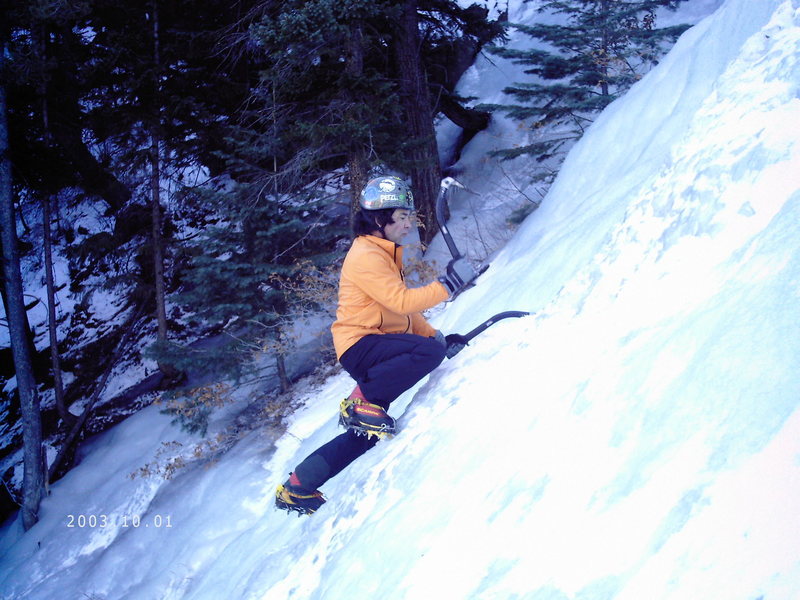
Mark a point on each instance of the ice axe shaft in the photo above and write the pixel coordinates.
(486, 324)
(440, 200)
(492, 320)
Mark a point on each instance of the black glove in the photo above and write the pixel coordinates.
(459, 275)
(455, 344)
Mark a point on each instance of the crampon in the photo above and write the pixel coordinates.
(365, 418)
(293, 499)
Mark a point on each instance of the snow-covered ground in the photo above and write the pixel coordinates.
(636, 437)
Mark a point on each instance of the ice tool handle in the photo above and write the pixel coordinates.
(492, 320)
(468, 337)
(448, 239)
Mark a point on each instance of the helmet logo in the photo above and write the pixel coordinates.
(387, 185)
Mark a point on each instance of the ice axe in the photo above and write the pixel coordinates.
(467, 337)
(448, 182)
(440, 202)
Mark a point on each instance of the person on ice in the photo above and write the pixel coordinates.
(380, 336)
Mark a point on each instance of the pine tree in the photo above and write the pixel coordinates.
(324, 93)
(162, 101)
(86, 74)
(582, 65)
(357, 84)
(33, 454)
(233, 279)
(311, 112)
(48, 55)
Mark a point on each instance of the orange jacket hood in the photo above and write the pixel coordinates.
(373, 297)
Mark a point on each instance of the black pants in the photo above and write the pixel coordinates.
(384, 366)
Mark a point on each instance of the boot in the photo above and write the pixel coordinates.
(365, 418)
(292, 497)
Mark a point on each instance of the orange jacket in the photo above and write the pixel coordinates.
(373, 297)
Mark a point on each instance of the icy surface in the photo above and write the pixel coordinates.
(636, 437)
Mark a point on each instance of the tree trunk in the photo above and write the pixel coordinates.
(26, 325)
(155, 201)
(470, 120)
(33, 478)
(357, 162)
(95, 178)
(283, 376)
(55, 359)
(605, 53)
(158, 255)
(358, 169)
(416, 98)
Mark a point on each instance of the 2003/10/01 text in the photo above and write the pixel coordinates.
(135, 521)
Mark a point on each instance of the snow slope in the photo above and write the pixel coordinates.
(637, 437)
